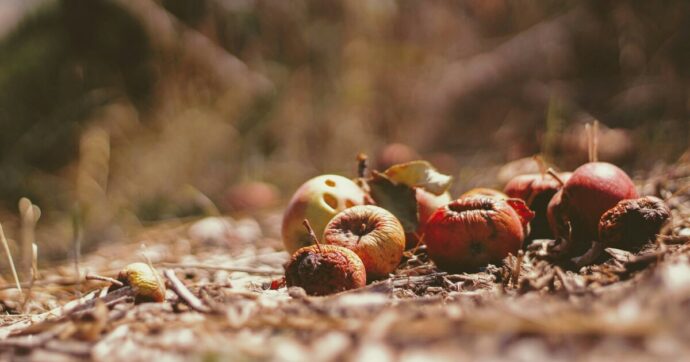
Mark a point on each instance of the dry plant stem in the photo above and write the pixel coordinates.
(102, 278)
(564, 279)
(595, 141)
(312, 235)
(181, 290)
(248, 270)
(555, 176)
(420, 242)
(9, 258)
(77, 234)
(518, 268)
(588, 132)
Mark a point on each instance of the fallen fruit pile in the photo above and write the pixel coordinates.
(377, 217)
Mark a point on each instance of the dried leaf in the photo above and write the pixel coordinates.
(419, 174)
(399, 199)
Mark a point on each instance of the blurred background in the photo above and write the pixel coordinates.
(116, 114)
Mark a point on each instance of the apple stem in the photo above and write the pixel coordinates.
(595, 141)
(555, 176)
(362, 229)
(592, 131)
(362, 164)
(542, 165)
(312, 235)
(588, 131)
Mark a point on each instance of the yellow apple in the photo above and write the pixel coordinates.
(317, 200)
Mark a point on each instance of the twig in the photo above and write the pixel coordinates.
(311, 233)
(224, 268)
(420, 241)
(181, 290)
(555, 176)
(564, 279)
(518, 267)
(595, 141)
(77, 234)
(590, 149)
(9, 259)
(102, 278)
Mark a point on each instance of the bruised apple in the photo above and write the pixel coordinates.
(373, 233)
(472, 232)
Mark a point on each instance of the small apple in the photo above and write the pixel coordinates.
(144, 280)
(373, 233)
(325, 269)
(250, 196)
(594, 188)
(633, 222)
(472, 232)
(317, 200)
(537, 190)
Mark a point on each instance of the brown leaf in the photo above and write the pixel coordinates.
(399, 199)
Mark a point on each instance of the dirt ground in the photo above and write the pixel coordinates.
(632, 307)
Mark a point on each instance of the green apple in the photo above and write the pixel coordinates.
(317, 200)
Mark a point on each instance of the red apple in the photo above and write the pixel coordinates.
(536, 190)
(593, 189)
(472, 232)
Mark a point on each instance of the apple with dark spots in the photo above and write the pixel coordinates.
(472, 232)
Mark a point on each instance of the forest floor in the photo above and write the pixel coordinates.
(633, 306)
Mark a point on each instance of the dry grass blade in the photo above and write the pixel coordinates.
(6, 245)
(183, 292)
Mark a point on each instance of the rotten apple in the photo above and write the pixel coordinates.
(472, 232)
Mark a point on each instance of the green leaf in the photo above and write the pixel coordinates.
(399, 199)
(419, 174)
